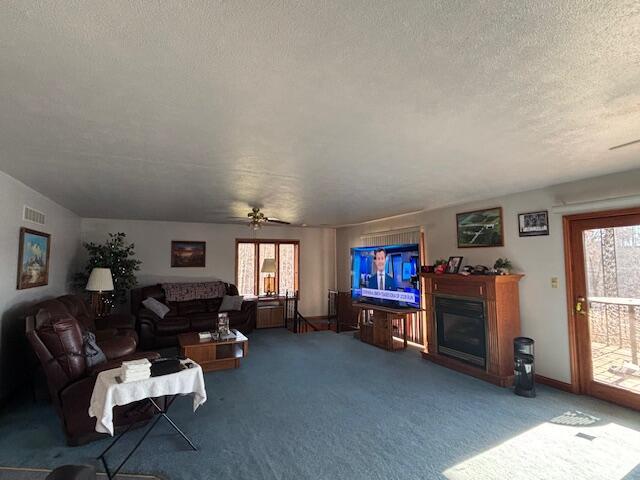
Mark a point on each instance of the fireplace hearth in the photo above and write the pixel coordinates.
(461, 329)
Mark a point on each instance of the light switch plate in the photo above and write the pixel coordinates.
(554, 282)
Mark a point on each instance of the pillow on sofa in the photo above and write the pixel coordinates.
(156, 307)
(230, 303)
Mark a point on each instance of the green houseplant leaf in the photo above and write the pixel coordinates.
(118, 256)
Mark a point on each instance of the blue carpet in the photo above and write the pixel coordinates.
(316, 406)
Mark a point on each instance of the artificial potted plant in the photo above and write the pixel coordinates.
(503, 266)
(118, 256)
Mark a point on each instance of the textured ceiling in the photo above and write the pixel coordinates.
(322, 112)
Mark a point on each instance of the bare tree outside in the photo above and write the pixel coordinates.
(248, 275)
(612, 257)
(286, 275)
(246, 268)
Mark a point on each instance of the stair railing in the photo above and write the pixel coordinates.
(293, 319)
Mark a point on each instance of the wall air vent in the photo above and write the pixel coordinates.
(31, 215)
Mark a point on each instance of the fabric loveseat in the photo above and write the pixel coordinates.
(193, 315)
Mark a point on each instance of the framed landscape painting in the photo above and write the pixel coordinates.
(480, 228)
(188, 254)
(33, 259)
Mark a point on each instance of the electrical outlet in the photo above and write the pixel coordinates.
(554, 282)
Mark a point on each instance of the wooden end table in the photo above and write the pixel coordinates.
(214, 355)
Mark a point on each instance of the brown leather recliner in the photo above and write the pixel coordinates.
(107, 326)
(56, 338)
(188, 316)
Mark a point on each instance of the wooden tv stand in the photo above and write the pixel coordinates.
(376, 325)
(500, 296)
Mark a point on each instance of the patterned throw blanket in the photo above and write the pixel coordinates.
(181, 292)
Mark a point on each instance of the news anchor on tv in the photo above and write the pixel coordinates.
(379, 280)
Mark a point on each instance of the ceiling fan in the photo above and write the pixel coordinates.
(257, 219)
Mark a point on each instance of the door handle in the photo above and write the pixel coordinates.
(579, 308)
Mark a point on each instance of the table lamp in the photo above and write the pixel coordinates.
(100, 281)
(269, 267)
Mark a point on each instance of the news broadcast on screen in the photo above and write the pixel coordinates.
(386, 275)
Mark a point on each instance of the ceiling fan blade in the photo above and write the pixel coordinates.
(275, 220)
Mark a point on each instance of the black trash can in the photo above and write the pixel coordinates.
(524, 368)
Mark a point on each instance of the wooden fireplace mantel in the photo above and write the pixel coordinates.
(502, 312)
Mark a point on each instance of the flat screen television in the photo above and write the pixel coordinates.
(386, 275)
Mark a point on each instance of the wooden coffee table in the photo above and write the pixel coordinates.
(214, 355)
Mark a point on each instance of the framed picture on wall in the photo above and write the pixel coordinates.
(480, 228)
(33, 259)
(533, 224)
(188, 254)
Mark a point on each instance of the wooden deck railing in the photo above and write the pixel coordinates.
(614, 321)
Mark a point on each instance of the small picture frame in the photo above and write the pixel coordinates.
(454, 264)
(533, 224)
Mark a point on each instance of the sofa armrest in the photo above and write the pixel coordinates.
(147, 321)
(120, 321)
(249, 306)
(116, 347)
(76, 392)
(105, 334)
(250, 310)
(146, 316)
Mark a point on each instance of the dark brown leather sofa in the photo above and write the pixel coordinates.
(56, 338)
(188, 316)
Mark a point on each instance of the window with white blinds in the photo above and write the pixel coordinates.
(391, 237)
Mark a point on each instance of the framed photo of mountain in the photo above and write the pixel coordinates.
(480, 228)
(33, 259)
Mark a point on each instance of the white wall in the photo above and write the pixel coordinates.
(153, 241)
(64, 227)
(543, 309)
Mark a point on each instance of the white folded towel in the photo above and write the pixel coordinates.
(143, 362)
(136, 370)
(133, 370)
(132, 377)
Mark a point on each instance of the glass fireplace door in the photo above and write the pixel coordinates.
(461, 329)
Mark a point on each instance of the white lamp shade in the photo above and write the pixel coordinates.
(100, 280)
(268, 265)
